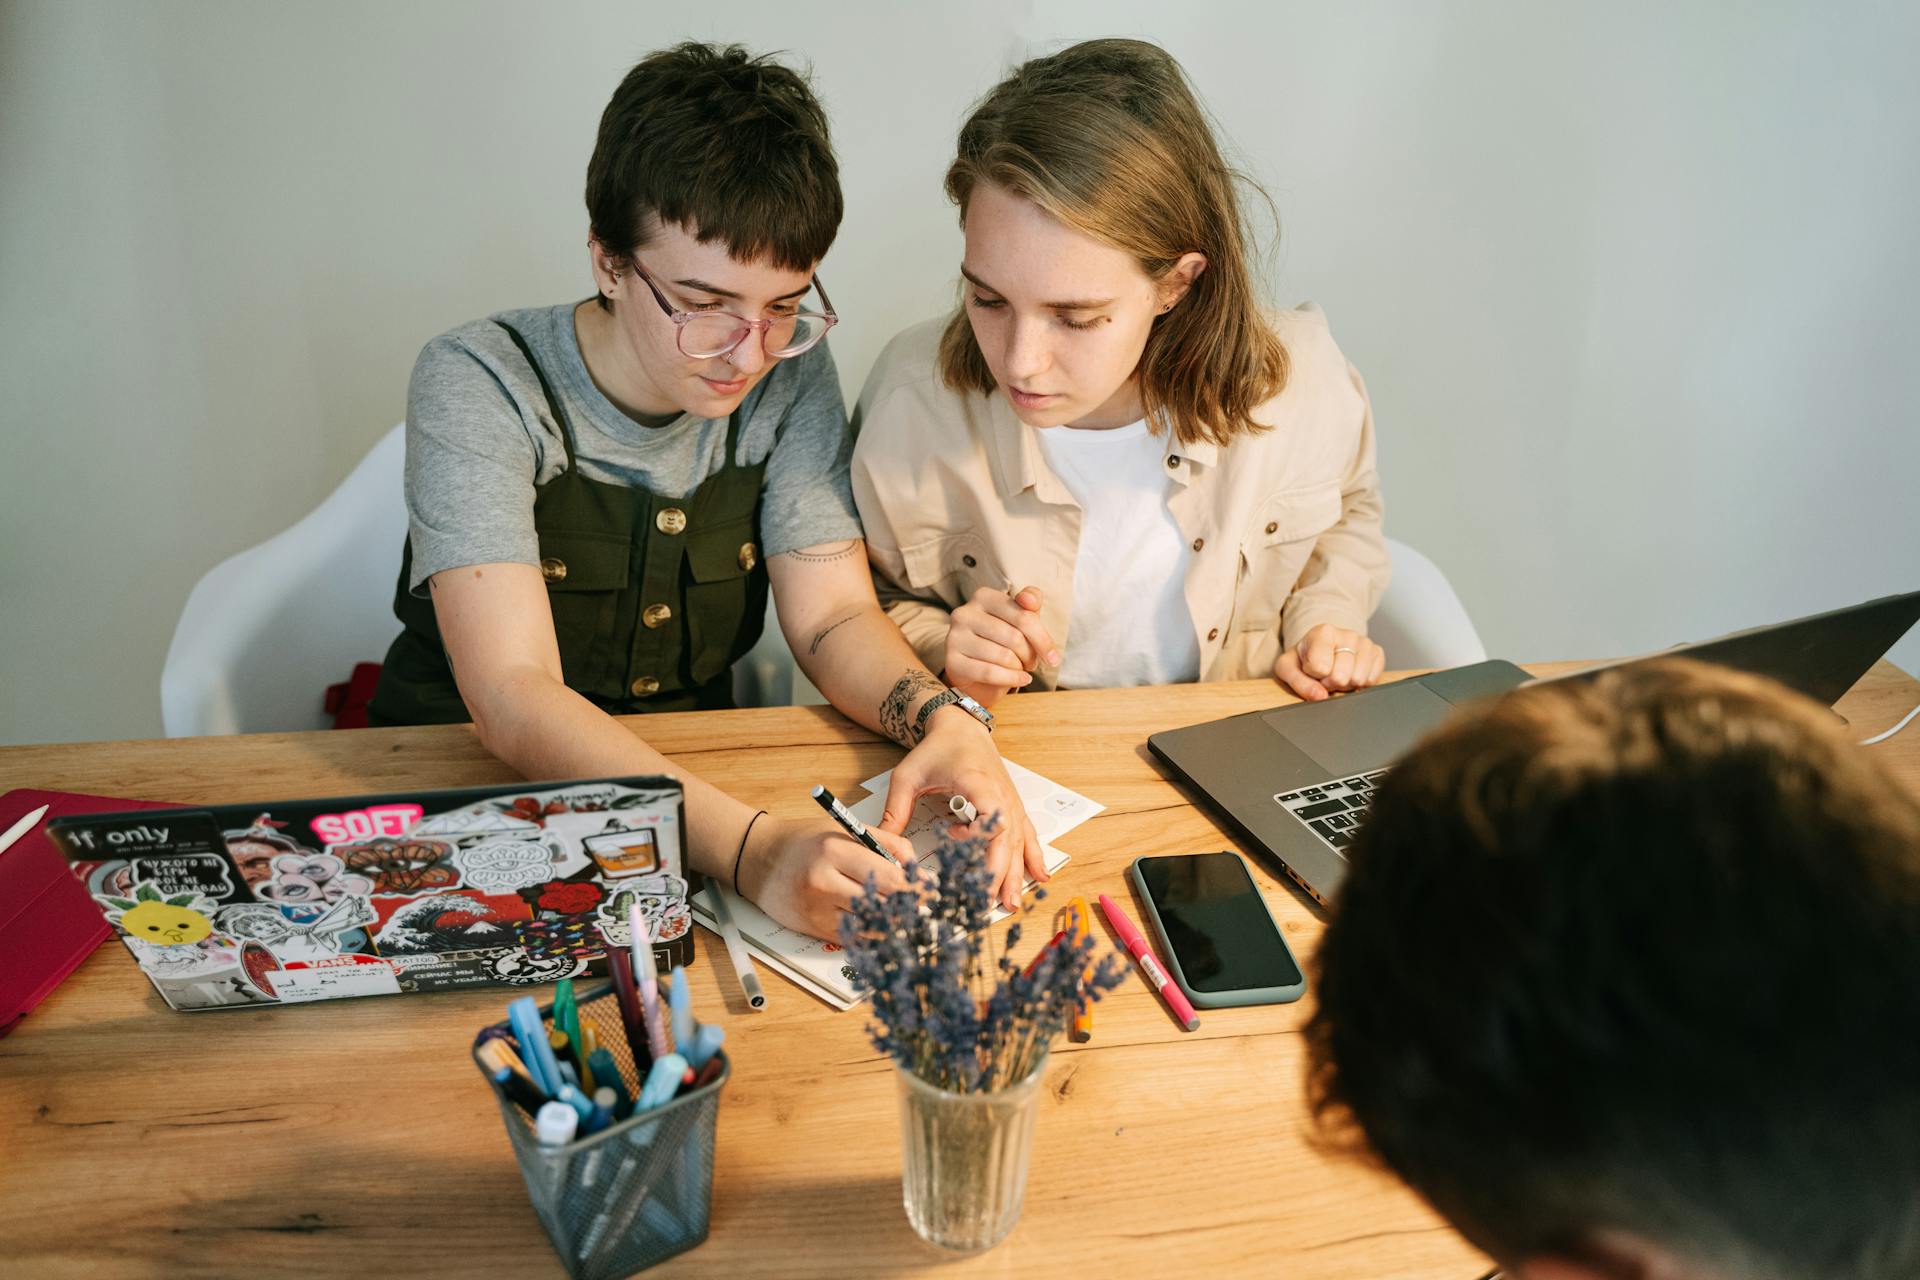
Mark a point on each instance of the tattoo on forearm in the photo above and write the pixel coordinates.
(838, 551)
(893, 709)
(828, 630)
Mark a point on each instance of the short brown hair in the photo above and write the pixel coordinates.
(730, 146)
(1107, 137)
(1640, 953)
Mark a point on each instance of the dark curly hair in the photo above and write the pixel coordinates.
(729, 146)
(1639, 955)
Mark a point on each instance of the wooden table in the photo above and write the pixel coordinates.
(355, 1137)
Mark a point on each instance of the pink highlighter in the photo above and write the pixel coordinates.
(1137, 947)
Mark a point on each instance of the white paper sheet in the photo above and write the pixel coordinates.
(818, 967)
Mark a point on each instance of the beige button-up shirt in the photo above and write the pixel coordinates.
(956, 494)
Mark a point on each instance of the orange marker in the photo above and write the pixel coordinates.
(1080, 921)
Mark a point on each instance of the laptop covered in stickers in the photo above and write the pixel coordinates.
(291, 901)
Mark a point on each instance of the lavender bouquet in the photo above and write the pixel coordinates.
(947, 1004)
(969, 1030)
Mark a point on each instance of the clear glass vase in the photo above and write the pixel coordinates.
(964, 1157)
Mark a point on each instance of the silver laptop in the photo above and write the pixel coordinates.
(1296, 781)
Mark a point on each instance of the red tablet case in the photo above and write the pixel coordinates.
(49, 923)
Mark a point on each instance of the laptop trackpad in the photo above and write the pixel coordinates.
(1361, 732)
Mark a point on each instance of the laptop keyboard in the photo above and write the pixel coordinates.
(1332, 810)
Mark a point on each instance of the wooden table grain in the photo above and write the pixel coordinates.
(354, 1137)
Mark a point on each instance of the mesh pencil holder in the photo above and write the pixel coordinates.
(637, 1192)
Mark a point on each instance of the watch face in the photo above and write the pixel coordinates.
(974, 709)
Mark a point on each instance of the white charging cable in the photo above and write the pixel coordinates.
(1882, 737)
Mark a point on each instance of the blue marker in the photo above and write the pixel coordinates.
(706, 1043)
(663, 1081)
(578, 1101)
(524, 1014)
(607, 1075)
(680, 1003)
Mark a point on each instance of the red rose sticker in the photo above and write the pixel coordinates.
(570, 898)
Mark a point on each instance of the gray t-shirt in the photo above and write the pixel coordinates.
(480, 438)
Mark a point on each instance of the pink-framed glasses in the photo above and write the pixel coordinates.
(702, 335)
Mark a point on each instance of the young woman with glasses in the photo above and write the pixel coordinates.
(601, 494)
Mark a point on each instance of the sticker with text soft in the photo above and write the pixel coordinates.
(370, 823)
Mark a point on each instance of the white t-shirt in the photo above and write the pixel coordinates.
(1130, 624)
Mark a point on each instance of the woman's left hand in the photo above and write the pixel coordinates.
(1329, 660)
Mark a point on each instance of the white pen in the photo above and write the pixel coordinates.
(963, 809)
(646, 976)
(736, 947)
(21, 827)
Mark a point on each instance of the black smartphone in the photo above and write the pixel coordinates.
(1222, 944)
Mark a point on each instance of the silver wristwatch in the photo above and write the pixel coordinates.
(950, 698)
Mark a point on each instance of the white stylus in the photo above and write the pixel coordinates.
(21, 827)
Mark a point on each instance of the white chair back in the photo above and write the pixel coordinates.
(1420, 621)
(265, 632)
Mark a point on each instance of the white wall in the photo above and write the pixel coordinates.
(1631, 284)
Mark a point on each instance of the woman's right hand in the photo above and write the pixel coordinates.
(994, 642)
(805, 874)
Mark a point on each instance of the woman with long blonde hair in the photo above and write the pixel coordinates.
(1112, 466)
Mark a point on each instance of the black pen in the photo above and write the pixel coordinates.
(844, 816)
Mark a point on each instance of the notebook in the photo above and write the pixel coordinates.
(815, 966)
(48, 924)
(284, 902)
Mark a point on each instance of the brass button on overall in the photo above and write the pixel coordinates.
(1214, 634)
(749, 557)
(553, 569)
(672, 520)
(1199, 543)
(656, 615)
(644, 686)
(1173, 462)
(1273, 526)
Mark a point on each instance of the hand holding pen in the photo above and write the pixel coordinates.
(805, 873)
(848, 823)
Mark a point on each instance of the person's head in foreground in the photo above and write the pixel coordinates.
(1625, 980)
